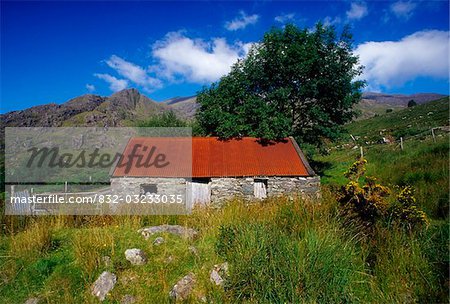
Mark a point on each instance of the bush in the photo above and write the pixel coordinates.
(405, 211)
(369, 203)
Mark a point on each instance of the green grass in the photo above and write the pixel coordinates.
(404, 123)
(423, 164)
(278, 251)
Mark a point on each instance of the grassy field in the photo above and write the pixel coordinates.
(404, 123)
(278, 251)
(423, 164)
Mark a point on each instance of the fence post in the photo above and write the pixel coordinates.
(361, 151)
(432, 133)
(401, 143)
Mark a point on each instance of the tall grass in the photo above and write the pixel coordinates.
(279, 251)
(32, 242)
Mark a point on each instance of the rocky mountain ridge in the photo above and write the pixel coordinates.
(129, 105)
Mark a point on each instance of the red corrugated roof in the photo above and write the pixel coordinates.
(212, 157)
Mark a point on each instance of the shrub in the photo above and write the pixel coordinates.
(405, 211)
(369, 202)
(366, 203)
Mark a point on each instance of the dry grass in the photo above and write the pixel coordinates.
(283, 249)
(32, 242)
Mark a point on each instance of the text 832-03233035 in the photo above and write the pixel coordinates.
(141, 199)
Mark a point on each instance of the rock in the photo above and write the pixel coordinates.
(103, 285)
(215, 277)
(32, 301)
(183, 288)
(219, 273)
(158, 241)
(128, 299)
(136, 256)
(187, 233)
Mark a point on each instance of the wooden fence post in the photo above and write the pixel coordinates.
(432, 133)
(361, 151)
(401, 143)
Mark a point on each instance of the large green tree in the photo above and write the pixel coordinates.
(294, 82)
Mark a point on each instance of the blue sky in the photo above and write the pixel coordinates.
(53, 51)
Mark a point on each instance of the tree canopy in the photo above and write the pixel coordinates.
(412, 103)
(295, 82)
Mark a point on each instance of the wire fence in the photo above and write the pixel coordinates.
(384, 141)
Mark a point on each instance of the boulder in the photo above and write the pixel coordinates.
(184, 232)
(103, 285)
(183, 288)
(32, 301)
(136, 256)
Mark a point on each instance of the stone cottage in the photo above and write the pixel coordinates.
(209, 170)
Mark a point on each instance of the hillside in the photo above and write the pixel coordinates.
(423, 163)
(185, 106)
(403, 123)
(90, 110)
(128, 106)
(373, 104)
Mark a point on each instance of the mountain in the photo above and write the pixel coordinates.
(127, 106)
(185, 106)
(118, 109)
(377, 103)
(401, 99)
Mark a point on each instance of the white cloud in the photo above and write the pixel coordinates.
(134, 73)
(241, 21)
(90, 87)
(357, 11)
(329, 21)
(195, 60)
(403, 9)
(285, 18)
(393, 63)
(114, 83)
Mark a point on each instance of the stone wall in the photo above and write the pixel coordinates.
(132, 185)
(222, 188)
(225, 188)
